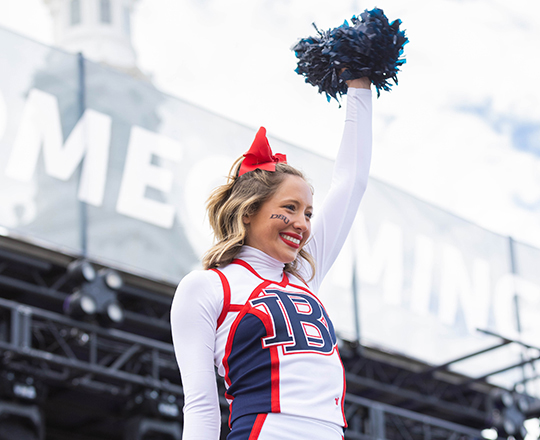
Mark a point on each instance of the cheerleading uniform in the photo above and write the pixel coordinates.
(265, 330)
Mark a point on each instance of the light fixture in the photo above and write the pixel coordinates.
(112, 279)
(81, 271)
(80, 304)
(490, 434)
(96, 295)
(113, 313)
(168, 409)
(507, 413)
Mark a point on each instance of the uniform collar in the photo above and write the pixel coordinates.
(266, 266)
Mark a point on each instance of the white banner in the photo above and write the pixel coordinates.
(142, 163)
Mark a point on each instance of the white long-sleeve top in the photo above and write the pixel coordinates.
(198, 302)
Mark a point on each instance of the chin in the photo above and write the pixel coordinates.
(285, 256)
(288, 259)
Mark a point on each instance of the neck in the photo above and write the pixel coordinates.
(266, 266)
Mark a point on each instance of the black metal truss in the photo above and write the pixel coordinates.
(369, 420)
(96, 378)
(67, 350)
(44, 284)
(416, 389)
(66, 353)
(70, 354)
(432, 391)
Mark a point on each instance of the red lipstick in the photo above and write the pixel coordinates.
(291, 239)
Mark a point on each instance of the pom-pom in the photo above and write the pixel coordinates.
(371, 47)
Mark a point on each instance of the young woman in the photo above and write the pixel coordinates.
(253, 313)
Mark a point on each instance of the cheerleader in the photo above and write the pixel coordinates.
(253, 312)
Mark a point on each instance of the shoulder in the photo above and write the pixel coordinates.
(199, 288)
(198, 279)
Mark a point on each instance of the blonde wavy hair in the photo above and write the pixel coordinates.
(241, 196)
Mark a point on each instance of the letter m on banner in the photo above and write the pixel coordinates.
(40, 127)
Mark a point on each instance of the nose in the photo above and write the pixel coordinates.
(300, 223)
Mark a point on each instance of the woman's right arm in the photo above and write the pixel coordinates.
(334, 220)
(194, 313)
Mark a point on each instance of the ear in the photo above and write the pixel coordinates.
(246, 219)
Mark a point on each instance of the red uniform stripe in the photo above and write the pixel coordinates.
(276, 404)
(247, 266)
(257, 426)
(283, 283)
(226, 297)
(235, 307)
(345, 424)
(304, 289)
(228, 346)
(274, 360)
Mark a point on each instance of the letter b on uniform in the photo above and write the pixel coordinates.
(301, 324)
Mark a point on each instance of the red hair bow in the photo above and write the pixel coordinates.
(260, 155)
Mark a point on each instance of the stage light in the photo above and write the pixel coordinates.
(96, 296)
(20, 387)
(507, 414)
(82, 338)
(79, 305)
(490, 434)
(168, 409)
(114, 313)
(81, 271)
(24, 391)
(112, 279)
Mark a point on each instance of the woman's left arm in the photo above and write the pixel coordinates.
(333, 221)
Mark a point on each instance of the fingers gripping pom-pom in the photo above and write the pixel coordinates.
(371, 47)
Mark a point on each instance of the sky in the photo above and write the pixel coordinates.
(461, 130)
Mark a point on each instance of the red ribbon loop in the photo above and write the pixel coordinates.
(260, 156)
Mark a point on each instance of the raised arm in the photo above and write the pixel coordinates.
(333, 221)
(194, 313)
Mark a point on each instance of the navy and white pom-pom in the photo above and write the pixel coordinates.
(371, 47)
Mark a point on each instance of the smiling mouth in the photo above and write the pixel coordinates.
(290, 240)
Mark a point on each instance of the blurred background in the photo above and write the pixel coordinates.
(117, 117)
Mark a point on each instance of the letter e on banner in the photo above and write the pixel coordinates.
(140, 173)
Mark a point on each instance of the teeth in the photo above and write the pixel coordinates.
(294, 240)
